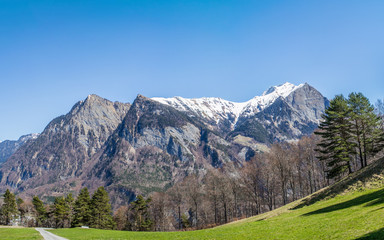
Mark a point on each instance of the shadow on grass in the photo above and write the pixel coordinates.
(363, 175)
(379, 234)
(372, 199)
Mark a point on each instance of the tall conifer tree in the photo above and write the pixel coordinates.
(101, 211)
(365, 127)
(41, 212)
(139, 211)
(9, 208)
(59, 211)
(69, 209)
(337, 143)
(82, 211)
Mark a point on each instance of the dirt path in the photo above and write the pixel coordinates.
(49, 236)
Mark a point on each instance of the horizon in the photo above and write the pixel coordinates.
(54, 54)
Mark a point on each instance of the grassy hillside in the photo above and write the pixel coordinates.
(350, 209)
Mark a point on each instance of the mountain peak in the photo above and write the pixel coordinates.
(142, 97)
(282, 90)
(93, 98)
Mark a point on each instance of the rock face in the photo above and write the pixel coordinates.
(154, 146)
(65, 145)
(9, 147)
(156, 142)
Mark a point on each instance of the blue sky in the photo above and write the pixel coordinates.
(55, 53)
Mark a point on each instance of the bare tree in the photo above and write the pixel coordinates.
(211, 181)
(251, 178)
(158, 210)
(120, 217)
(277, 157)
(176, 198)
(194, 193)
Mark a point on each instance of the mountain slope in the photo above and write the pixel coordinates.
(65, 145)
(155, 146)
(286, 118)
(9, 147)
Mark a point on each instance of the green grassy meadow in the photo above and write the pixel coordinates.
(355, 215)
(19, 233)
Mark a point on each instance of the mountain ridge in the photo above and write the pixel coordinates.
(149, 145)
(256, 103)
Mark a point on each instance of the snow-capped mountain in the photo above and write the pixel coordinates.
(217, 109)
(214, 109)
(259, 103)
(303, 104)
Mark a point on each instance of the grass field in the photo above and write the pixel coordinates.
(354, 215)
(19, 233)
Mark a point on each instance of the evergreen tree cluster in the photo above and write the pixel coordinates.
(350, 134)
(65, 212)
(95, 212)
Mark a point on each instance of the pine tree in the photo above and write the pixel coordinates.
(9, 208)
(59, 211)
(21, 210)
(140, 214)
(350, 128)
(366, 127)
(336, 146)
(69, 205)
(82, 211)
(101, 212)
(41, 212)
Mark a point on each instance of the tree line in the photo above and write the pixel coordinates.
(65, 211)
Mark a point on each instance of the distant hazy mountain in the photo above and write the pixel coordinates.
(9, 147)
(149, 145)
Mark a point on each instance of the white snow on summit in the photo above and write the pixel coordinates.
(216, 109)
(211, 108)
(259, 103)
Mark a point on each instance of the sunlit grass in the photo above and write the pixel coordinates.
(19, 233)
